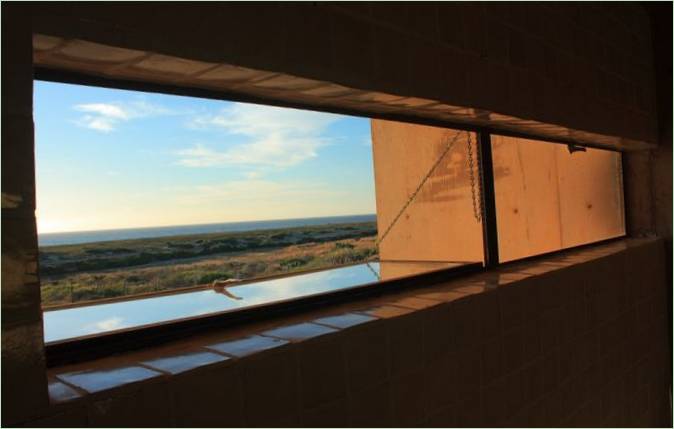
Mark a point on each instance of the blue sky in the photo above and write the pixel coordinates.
(119, 159)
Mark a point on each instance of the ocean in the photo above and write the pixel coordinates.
(59, 238)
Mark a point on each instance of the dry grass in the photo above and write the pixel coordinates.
(93, 285)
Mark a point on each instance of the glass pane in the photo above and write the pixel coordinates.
(154, 207)
(549, 199)
(78, 321)
(142, 193)
(440, 223)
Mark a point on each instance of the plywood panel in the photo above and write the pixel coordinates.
(394, 270)
(591, 198)
(549, 199)
(527, 199)
(440, 224)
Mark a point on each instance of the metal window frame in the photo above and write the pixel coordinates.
(99, 345)
(94, 346)
(488, 195)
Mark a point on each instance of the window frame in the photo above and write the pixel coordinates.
(103, 344)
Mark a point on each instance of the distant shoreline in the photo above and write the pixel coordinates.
(83, 237)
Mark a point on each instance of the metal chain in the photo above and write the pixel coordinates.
(376, 274)
(477, 200)
(449, 146)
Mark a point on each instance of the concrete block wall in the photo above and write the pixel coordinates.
(23, 368)
(575, 340)
(585, 66)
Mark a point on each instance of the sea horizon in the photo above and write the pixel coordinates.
(94, 236)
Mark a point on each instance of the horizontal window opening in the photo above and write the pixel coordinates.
(157, 209)
(162, 215)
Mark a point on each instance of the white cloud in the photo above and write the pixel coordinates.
(110, 324)
(253, 174)
(273, 150)
(106, 110)
(98, 123)
(105, 117)
(278, 137)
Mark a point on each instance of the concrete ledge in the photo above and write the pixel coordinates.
(496, 348)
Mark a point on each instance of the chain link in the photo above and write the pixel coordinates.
(376, 274)
(450, 144)
(477, 199)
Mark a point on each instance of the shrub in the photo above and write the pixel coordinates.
(211, 276)
(291, 263)
(348, 256)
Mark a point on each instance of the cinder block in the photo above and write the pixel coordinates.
(24, 378)
(17, 74)
(367, 355)
(466, 369)
(353, 55)
(406, 336)
(544, 375)
(408, 399)
(495, 402)
(371, 406)
(20, 286)
(455, 70)
(270, 388)
(423, 20)
(210, 398)
(391, 61)
(437, 340)
(492, 360)
(332, 414)
(497, 45)
(425, 72)
(437, 376)
(309, 44)
(395, 14)
(469, 412)
(18, 163)
(322, 371)
(474, 27)
(519, 302)
(450, 24)
(146, 407)
(74, 417)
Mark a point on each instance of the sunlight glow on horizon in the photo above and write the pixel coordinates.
(47, 229)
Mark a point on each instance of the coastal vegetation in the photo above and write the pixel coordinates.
(91, 271)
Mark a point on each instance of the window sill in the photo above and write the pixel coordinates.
(508, 288)
(227, 312)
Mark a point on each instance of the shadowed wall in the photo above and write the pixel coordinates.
(575, 67)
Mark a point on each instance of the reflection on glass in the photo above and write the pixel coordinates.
(93, 319)
(548, 198)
